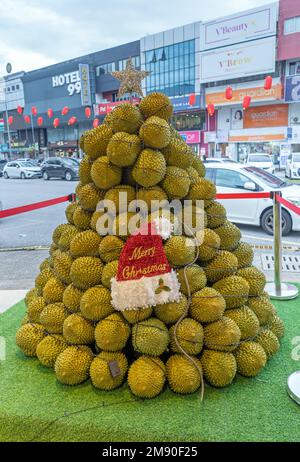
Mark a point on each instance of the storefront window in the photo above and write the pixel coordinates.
(244, 149)
(186, 122)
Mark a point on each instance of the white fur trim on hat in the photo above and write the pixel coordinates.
(164, 227)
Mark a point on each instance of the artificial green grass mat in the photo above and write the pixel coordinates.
(35, 407)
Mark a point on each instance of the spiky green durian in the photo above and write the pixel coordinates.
(101, 222)
(95, 303)
(32, 293)
(247, 321)
(244, 253)
(182, 374)
(222, 335)
(263, 308)
(216, 214)
(65, 238)
(202, 190)
(105, 174)
(229, 235)
(78, 330)
(61, 267)
(134, 316)
(250, 358)
(193, 174)
(195, 276)
(110, 248)
(126, 223)
(123, 149)
(49, 348)
(150, 168)
(112, 333)
(58, 232)
(234, 289)
(176, 183)
(100, 371)
(152, 197)
(277, 327)
(156, 104)
(121, 196)
(155, 133)
(53, 290)
(126, 118)
(109, 272)
(199, 166)
(29, 336)
(97, 140)
(72, 297)
(85, 244)
(35, 307)
(150, 337)
(42, 279)
(208, 244)
(207, 305)
(73, 364)
(178, 154)
(193, 219)
(70, 211)
(219, 367)
(85, 171)
(86, 272)
(169, 313)
(223, 265)
(81, 218)
(52, 317)
(146, 377)
(255, 278)
(180, 250)
(89, 196)
(268, 340)
(189, 336)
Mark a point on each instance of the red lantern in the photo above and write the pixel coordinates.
(56, 122)
(10, 120)
(88, 112)
(19, 109)
(64, 110)
(229, 93)
(95, 123)
(246, 102)
(268, 83)
(192, 99)
(34, 110)
(72, 120)
(40, 121)
(27, 119)
(50, 113)
(211, 109)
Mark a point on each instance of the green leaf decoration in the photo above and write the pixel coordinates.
(161, 281)
(166, 288)
(158, 290)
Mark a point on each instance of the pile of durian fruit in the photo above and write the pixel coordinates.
(229, 325)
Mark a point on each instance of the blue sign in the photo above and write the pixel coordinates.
(186, 103)
(292, 89)
(3, 147)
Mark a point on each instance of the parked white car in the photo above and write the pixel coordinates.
(235, 178)
(221, 160)
(260, 160)
(292, 169)
(21, 169)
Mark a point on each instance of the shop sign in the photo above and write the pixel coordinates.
(63, 144)
(240, 138)
(191, 137)
(292, 89)
(276, 115)
(1, 125)
(222, 136)
(236, 61)
(210, 137)
(241, 27)
(295, 135)
(70, 80)
(106, 108)
(84, 76)
(186, 103)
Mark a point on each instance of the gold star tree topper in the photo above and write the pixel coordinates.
(130, 79)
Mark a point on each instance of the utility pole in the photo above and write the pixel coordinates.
(3, 87)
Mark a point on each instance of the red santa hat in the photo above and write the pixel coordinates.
(145, 277)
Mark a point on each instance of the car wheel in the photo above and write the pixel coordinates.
(5, 175)
(69, 176)
(267, 222)
(45, 176)
(22, 176)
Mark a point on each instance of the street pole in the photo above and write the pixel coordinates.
(33, 139)
(2, 80)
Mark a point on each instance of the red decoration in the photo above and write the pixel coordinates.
(229, 93)
(246, 102)
(64, 110)
(50, 113)
(72, 120)
(19, 110)
(40, 121)
(10, 120)
(88, 112)
(34, 110)
(211, 109)
(268, 83)
(27, 119)
(56, 122)
(192, 99)
(95, 123)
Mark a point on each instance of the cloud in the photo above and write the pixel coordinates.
(38, 33)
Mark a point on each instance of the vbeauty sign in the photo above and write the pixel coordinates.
(252, 24)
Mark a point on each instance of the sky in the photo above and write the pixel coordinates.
(36, 33)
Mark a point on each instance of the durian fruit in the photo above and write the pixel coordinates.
(109, 272)
(182, 374)
(31, 294)
(61, 267)
(193, 219)
(244, 253)
(223, 265)
(152, 196)
(126, 118)
(95, 303)
(78, 187)
(127, 176)
(193, 174)
(178, 154)
(263, 308)
(150, 168)
(207, 305)
(58, 232)
(70, 211)
(134, 316)
(100, 372)
(25, 320)
(112, 333)
(195, 276)
(85, 171)
(268, 340)
(125, 224)
(72, 297)
(222, 335)
(229, 235)
(150, 337)
(176, 183)
(53, 291)
(208, 244)
(199, 166)
(49, 348)
(219, 367)
(202, 190)
(216, 215)
(34, 309)
(96, 216)
(53, 248)
(85, 244)
(52, 317)
(277, 327)
(234, 289)
(123, 149)
(105, 174)
(52, 256)
(68, 234)
(29, 336)
(86, 272)
(156, 104)
(250, 358)
(97, 140)
(189, 336)
(42, 279)
(180, 250)
(255, 278)
(155, 133)
(146, 377)
(89, 196)
(121, 196)
(78, 330)
(73, 364)
(247, 321)
(110, 248)
(171, 312)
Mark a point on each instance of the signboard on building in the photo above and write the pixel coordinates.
(276, 115)
(1, 125)
(70, 80)
(84, 75)
(191, 137)
(255, 89)
(106, 108)
(241, 27)
(235, 61)
(292, 89)
(258, 134)
(186, 103)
